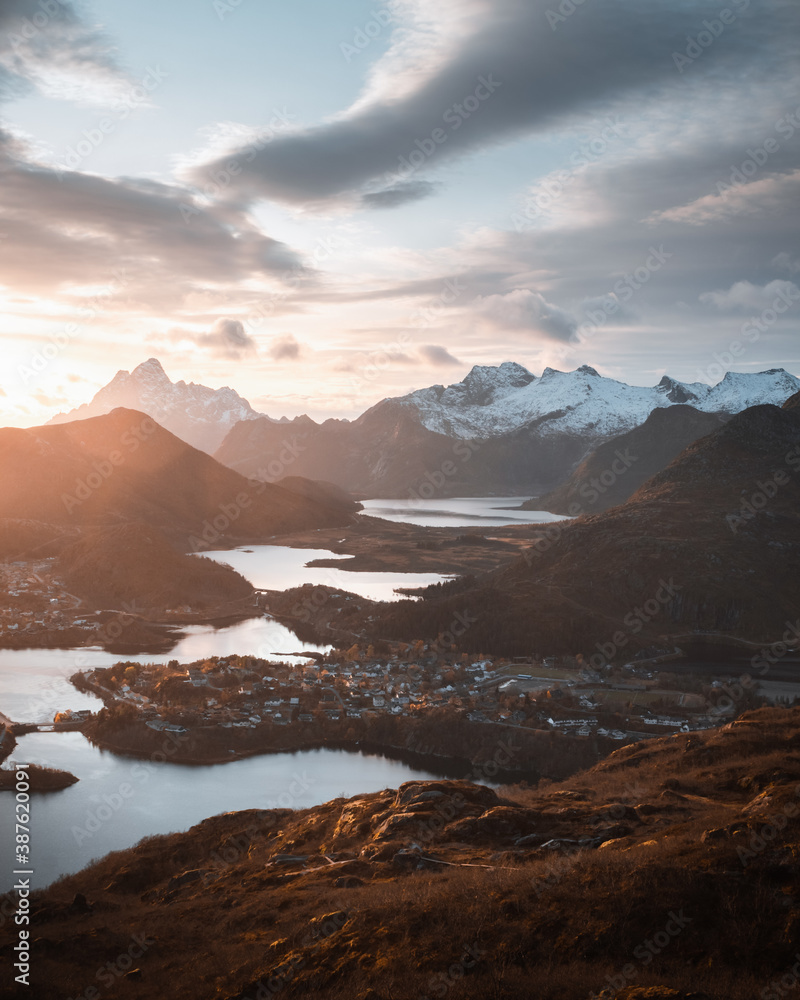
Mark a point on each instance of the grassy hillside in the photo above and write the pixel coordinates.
(672, 867)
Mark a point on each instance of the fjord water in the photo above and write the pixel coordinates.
(87, 820)
(119, 800)
(279, 567)
(34, 683)
(459, 512)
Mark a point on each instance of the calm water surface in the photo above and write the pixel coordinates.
(278, 567)
(459, 512)
(119, 800)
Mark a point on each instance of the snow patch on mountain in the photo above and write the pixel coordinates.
(492, 401)
(199, 415)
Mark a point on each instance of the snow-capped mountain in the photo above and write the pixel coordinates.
(493, 401)
(199, 415)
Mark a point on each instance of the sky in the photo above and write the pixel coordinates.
(322, 205)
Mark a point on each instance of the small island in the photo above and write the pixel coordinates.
(41, 779)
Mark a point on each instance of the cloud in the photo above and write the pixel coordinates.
(761, 195)
(153, 241)
(786, 262)
(746, 295)
(286, 348)
(400, 194)
(475, 73)
(526, 310)
(228, 339)
(437, 356)
(50, 47)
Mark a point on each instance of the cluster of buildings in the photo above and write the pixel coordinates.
(245, 692)
(34, 600)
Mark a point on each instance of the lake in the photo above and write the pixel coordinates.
(279, 567)
(119, 800)
(459, 512)
(34, 683)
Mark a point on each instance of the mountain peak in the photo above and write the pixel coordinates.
(151, 365)
(497, 400)
(195, 413)
(509, 373)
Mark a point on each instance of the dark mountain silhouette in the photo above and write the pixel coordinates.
(123, 466)
(711, 543)
(134, 566)
(388, 452)
(321, 491)
(617, 468)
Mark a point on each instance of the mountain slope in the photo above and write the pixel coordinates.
(196, 414)
(134, 566)
(500, 431)
(124, 467)
(387, 452)
(493, 401)
(666, 872)
(711, 543)
(617, 468)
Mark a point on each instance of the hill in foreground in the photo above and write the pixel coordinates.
(668, 871)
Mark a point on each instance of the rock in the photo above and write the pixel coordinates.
(403, 824)
(178, 881)
(79, 904)
(616, 843)
(615, 832)
(529, 840)
(348, 882)
(420, 791)
(713, 835)
(328, 924)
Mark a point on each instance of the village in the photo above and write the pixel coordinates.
(557, 695)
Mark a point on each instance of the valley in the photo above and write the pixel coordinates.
(192, 620)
